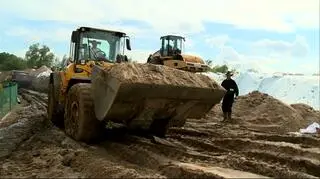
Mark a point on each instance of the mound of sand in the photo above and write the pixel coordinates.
(29, 70)
(157, 74)
(42, 69)
(40, 84)
(265, 113)
(309, 114)
(262, 111)
(41, 79)
(154, 86)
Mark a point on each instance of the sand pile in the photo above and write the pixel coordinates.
(29, 70)
(309, 114)
(40, 84)
(42, 69)
(156, 74)
(41, 79)
(153, 86)
(134, 81)
(266, 113)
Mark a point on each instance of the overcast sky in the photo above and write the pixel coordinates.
(270, 35)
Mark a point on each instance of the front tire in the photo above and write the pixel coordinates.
(80, 121)
(180, 122)
(159, 127)
(54, 115)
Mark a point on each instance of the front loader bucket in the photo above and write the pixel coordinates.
(136, 94)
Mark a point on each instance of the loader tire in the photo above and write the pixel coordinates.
(180, 122)
(54, 115)
(80, 121)
(159, 127)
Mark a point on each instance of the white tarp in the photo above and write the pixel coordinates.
(311, 129)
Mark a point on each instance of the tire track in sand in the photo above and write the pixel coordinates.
(260, 153)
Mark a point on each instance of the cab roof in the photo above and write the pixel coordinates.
(174, 36)
(102, 30)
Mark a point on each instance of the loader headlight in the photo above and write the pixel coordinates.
(82, 62)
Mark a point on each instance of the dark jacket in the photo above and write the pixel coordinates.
(232, 89)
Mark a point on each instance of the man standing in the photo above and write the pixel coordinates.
(232, 89)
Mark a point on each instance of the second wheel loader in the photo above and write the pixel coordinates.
(99, 85)
(171, 54)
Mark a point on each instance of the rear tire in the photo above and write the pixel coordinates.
(80, 121)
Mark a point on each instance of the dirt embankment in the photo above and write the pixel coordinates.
(254, 145)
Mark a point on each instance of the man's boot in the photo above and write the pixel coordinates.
(229, 116)
(225, 116)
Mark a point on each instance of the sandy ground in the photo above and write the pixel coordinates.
(255, 145)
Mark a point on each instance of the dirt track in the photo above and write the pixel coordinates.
(206, 148)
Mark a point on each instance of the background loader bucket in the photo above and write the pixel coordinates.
(144, 92)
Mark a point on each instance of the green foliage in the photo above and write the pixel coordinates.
(209, 62)
(35, 56)
(56, 62)
(38, 56)
(220, 69)
(11, 62)
(64, 61)
(60, 65)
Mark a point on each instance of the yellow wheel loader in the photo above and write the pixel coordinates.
(99, 86)
(171, 54)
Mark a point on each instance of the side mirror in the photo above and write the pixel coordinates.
(75, 37)
(128, 44)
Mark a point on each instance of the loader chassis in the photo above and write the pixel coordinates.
(69, 97)
(97, 87)
(171, 54)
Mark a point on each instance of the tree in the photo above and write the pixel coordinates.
(11, 62)
(220, 69)
(56, 62)
(64, 61)
(37, 56)
(209, 62)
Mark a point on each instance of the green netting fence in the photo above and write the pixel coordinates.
(8, 97)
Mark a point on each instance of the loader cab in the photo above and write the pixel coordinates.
(91, 44)
(171, 45)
